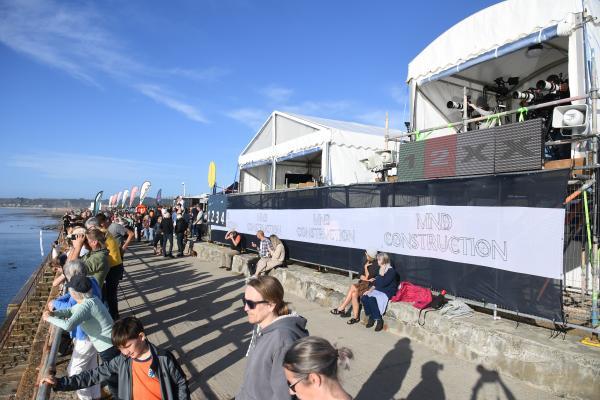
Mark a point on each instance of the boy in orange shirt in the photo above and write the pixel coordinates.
(144, 370)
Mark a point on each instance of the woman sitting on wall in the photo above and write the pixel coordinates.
(385, 284)
(275, 259)
(365, 281)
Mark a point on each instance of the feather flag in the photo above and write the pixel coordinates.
(134, 191)
(125, 195)
(158, 197)
(118, 198)
(97, 201)
(144, 191)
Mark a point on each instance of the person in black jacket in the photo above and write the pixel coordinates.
(180, 227)
(145, 371)
(167, 230)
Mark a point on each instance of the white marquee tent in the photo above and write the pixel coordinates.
(327, 150)
(495, 42)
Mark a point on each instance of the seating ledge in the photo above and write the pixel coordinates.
(563, 367)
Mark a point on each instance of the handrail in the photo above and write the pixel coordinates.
(489, 117)
(44, 389)
(54, 338)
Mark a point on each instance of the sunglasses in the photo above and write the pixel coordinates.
(292, 386)
(251, 303)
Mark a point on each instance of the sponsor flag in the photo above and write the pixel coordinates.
(144, 191)
(134, 191)
(97, 201)
(125, 196)
(158, 196)
(118, 198)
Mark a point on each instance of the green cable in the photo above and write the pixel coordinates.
(522, 113)
(493, 117)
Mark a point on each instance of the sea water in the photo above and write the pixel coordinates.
(20, 253)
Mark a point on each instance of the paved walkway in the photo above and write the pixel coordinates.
(194, 309)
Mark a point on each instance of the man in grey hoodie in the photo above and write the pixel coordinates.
(276, 329)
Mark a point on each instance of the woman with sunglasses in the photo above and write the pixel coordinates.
(311, 367)
(276, 329)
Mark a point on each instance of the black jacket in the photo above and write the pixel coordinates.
(173, 383)
(180, 225)
(167, 226)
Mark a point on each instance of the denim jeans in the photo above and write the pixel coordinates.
(149, 234)
(167, 238)
(180, 245)
(371, 308)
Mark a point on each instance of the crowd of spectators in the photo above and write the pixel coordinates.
(282, 359)
(91, 267)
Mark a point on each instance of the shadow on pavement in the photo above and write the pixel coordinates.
(195, 300)
(387, 378)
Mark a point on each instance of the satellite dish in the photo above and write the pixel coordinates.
(212, 174)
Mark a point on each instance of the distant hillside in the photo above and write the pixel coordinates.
(67, 203)
(44, 203)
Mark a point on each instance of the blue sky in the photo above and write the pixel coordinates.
(103, 95)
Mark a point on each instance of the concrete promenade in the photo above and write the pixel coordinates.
(193, 308)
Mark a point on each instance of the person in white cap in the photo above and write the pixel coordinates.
(365, 281)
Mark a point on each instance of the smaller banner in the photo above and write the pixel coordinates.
(125, 196)
(212, 174)
(133, 194)
(158, 196)
(97, 201)
(144, 191)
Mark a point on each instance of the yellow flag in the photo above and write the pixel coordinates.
(212, 174)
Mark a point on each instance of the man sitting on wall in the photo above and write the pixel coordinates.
(264, 248)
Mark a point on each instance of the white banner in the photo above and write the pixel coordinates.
(518, 239)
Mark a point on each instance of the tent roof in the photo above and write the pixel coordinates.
(487, 30)
(299, 134)
(345, 125)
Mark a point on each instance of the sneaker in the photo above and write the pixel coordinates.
(379, 325)
(370, 323)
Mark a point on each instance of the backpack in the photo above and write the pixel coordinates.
(436, 303)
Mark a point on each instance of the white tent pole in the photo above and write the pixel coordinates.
(274, 163)
(465, 127)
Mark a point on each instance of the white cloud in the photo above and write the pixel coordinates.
(72, 38)
(331, 109)
(158, 94)
(85, 167)
(399, 93)
(277, 94)
(204, 75)
(252, 117)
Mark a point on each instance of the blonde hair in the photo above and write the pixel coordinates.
(275, 241)
(384, 258)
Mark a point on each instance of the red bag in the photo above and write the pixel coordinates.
(420, 297)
